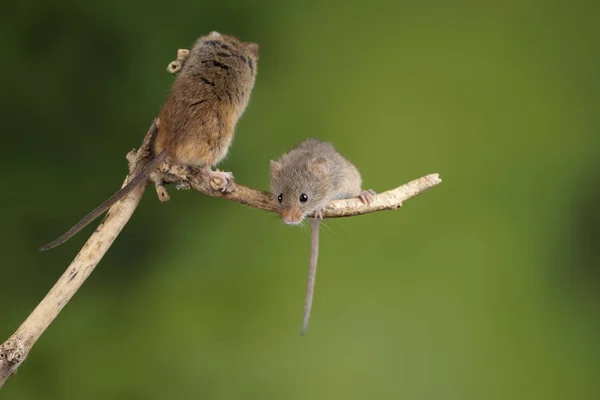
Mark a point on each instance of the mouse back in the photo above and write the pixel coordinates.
(208, 96)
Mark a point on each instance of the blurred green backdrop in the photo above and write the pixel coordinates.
(486, 287)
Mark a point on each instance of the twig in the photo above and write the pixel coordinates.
(15, 350)
(390, 200)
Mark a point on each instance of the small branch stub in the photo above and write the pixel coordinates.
(12, 354)
(175, 66)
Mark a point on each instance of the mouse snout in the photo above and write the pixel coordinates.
(292, 217)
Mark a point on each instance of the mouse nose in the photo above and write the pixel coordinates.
(292, 217)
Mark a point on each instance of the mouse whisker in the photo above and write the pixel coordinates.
(328, 231)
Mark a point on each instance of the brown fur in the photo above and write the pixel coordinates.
(198, 119)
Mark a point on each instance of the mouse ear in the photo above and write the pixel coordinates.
(319, 166)
(275, 168)
(253, 49)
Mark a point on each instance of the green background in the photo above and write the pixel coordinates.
(485, 287)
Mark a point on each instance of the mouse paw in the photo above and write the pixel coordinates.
(319, 213)
(367, 196)
(220, 180)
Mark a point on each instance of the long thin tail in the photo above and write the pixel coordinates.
(96, 212)
(312, 273)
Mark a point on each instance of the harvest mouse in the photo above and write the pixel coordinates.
(197, 121)
(303, 182)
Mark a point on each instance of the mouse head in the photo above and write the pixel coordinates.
(299, 187)
(228, 52)
(226, 64)
(247, 48)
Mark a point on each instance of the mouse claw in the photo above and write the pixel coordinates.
(220, 180)
(367, 196)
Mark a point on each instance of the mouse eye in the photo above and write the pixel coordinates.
(303, 198)
(280, 198)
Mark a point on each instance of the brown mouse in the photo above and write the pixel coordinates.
(198, 118)
(303, 182)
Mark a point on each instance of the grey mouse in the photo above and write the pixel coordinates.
(303, 182)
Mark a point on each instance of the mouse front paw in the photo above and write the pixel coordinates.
(220, 180)
(367, 196)
(318, 213)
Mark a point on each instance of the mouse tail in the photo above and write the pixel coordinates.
(312, 273)
(95, 213)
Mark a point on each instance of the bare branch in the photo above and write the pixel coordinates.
(390, 200)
